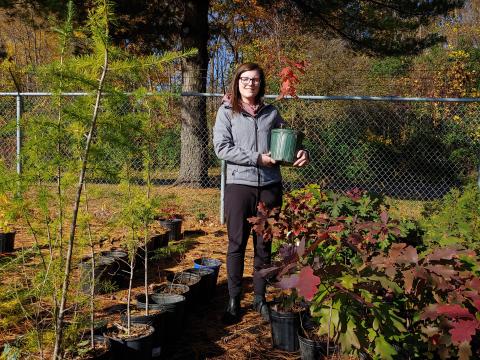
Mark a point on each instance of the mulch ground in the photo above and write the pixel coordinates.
(205, 336)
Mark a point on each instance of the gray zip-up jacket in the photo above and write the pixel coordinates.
(240, 138)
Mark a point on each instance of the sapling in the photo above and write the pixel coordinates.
(149, 129)
(87, 71)
(130, 217)
(99, 25)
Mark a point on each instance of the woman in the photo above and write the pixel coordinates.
(241, 137)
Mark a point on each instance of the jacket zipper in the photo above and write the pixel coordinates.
(256, 149)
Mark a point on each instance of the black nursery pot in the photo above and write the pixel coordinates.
(134, 347)
(192, 281)
(103, 271)
(174, 227)
(155, 318)
(174, 307)
(158, 241)
(120, 269)
(142, 304)
(285, 330)
(313, 350)
(7, 241)
(174, 289)
(209, 263)
(207, 284)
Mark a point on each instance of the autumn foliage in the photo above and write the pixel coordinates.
(353, 265)
(289, 78)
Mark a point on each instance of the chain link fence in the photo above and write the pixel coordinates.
(406, 148)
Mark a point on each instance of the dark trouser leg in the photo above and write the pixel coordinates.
(272, 197)
(240, 204)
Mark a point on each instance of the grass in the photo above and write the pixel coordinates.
(406, 209)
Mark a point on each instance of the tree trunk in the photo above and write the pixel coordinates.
(194, 136)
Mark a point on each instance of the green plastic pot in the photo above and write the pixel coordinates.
(284, 145)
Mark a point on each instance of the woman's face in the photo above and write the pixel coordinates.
(249, 84)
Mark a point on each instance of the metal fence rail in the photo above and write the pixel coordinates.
(403, 147)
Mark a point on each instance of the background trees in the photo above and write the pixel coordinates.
(337, 38)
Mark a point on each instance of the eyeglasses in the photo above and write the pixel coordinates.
(245, 80)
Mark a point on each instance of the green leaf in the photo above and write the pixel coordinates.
(348, 281)
(83, 343)
(386, 283)
(384, 349)
(326, 319)
(397, 321)
(351, 334)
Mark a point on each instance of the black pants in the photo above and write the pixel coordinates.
(241, 203)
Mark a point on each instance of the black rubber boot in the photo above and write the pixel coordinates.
(260, 305)
(232, 312)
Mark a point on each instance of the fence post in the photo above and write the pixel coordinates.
(19, 134)
(478, 179)
(223, 179)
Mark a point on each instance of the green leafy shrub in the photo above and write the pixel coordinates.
(391, 66)
(455, 220)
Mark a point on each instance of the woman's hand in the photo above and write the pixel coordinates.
(266, 160)
(302, 158)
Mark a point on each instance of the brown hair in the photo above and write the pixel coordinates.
(235, 97)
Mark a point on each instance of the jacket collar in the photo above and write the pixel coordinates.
(226, 101)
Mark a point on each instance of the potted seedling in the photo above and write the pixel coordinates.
(132, 338)
(172, 221)
(285, 142)
(7, 218)
(297, 284)
(159, 237)
(323, 261)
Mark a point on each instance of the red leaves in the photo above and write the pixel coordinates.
(300, 65)
(408, 278)
(404, 254)
(442, 254)
(335, 228)
(445, 272)
(398, 255)
(462, 324)
(463, 330)
(289, 80)
(298, 228)
(384, 217)
(288, 282)
(262, 221)
(355, 194)
(305, 282)
(453, 311)
(301, 248)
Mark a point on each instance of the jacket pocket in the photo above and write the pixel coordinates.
(245, 173)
